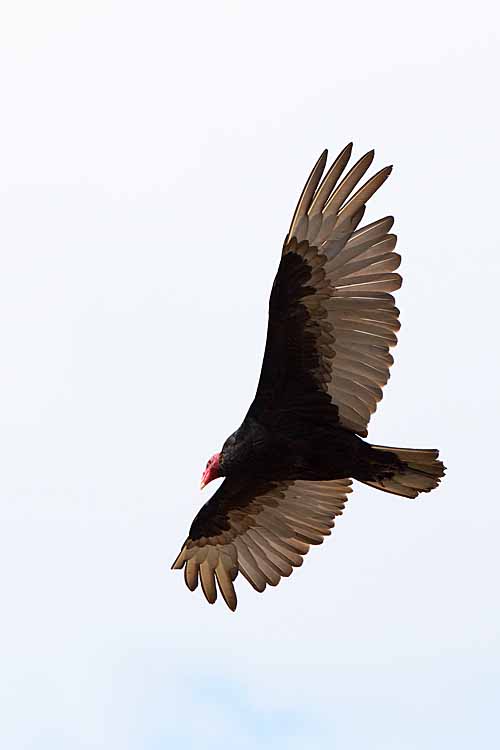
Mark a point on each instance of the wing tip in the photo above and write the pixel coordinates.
(322, 160)
(346, 151)
(179, 561)
(231, 604)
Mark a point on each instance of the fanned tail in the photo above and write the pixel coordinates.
(405, 471)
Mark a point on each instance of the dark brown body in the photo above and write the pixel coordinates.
(305, 451)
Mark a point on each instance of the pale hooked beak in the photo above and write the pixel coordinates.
(205, 479)
(211, 471)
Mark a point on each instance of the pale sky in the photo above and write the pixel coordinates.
(151, 157)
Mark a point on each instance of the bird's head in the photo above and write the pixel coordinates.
(212, 470)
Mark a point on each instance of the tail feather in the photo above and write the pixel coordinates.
(416, 470)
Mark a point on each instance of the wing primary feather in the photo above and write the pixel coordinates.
(308, 192)
(226, 586)
(348, 183)
(330, 180)
(191, 574)
(208, 581)
(364, 193)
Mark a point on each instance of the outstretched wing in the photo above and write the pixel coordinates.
(260, 529)
(332, 318)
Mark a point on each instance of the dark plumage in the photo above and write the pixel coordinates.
(289, 466)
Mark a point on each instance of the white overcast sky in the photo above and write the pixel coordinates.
(150, 157)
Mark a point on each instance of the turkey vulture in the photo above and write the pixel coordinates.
(288, 469)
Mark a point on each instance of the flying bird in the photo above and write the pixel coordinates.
(289, 467)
